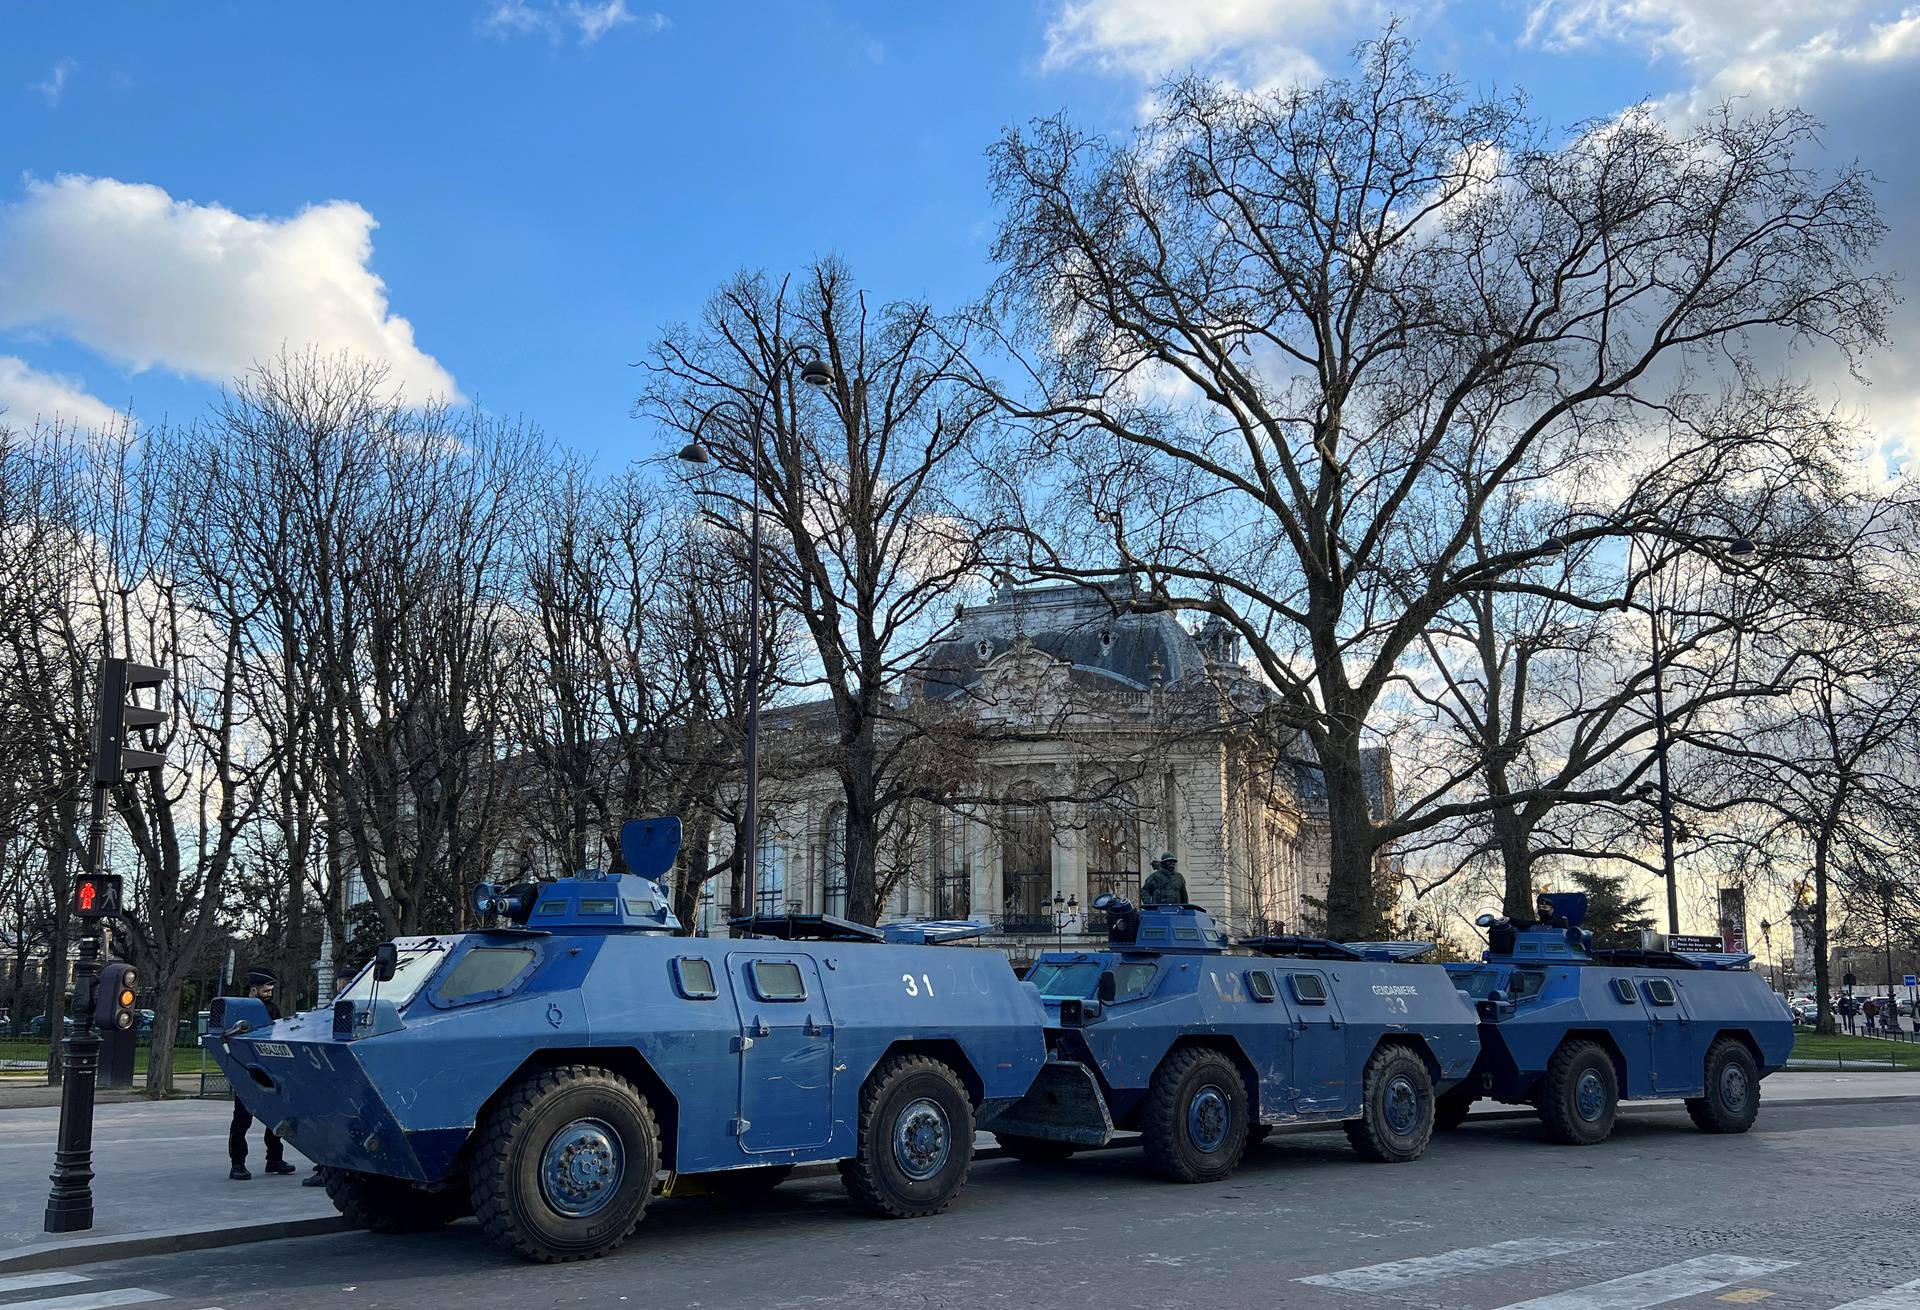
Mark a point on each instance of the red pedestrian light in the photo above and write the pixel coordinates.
(97, 896)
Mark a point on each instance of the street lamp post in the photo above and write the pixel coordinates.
(815, 372)
(1739, 548)
(1065, 910)
(1766, 936)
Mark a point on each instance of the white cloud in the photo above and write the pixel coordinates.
(150, 281)
(588, 21)
(1251, 42)
(28, 397)
(1852, 64)
(56, 84)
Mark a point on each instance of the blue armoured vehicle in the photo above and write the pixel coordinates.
(1572, 1030)
(1201, 1050)
(546, 1073)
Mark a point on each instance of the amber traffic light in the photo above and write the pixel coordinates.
(113, 1003)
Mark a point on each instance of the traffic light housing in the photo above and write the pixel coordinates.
(96, 896)
(113, 998)
(116, 719)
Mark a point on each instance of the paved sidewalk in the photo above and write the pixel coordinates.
(161, 1174)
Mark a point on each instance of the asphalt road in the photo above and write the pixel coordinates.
(1816, 1209)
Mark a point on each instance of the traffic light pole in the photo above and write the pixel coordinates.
(70, 1203)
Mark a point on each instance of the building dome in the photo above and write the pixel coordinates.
(1084, 627)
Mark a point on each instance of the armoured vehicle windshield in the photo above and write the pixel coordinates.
(410, 972)
(1069, 980)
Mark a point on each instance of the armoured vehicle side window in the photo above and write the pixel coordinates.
(695, 977)
(1623, 990)
(485, 971)
(1260, 984)
(602, 905)
(1187, 934)
(1153, 934)
(552, 909)
(1659, 991)
(1308, 988)
(778, 980)
(1132, 980)
(1525, 984)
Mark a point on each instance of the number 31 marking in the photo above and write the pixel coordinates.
(914, 988)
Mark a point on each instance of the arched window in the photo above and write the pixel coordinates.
(770, 895)
(1113, 855)
(833, 856)
(1026, 868)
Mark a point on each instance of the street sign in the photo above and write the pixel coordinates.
(1911, 980)
(1697, 943)
(1847, 981)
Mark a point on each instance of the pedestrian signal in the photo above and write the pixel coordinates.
(97, 896)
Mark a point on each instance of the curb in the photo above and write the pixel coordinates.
(89, 1250)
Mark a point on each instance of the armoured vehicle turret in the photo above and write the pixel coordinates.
(1201, 1049)
(1573, 1031)
(550, 1071)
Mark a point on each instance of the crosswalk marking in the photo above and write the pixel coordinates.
(1903, 1297)
(1707, 1273)
(27, 1282)
(91, 1300)
(1449, 1264)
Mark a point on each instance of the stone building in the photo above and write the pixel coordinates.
(1126, 735)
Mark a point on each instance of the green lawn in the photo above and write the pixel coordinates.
(187, 1060)
(1849, 1052)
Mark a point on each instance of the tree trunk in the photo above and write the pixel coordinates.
(166, 1020)
(1353, 901)
(1823, 1021)
(863, 865)
(1516, 860)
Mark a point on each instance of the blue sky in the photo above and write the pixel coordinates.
(554, 180)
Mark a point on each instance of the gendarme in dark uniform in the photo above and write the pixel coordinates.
(260, 984)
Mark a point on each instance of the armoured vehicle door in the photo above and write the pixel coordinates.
(1676, 1065)
(1320, 1044)
(786, 1052)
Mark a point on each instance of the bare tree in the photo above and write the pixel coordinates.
(863, 486)
(1292, 345)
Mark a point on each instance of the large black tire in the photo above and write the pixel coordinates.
(1035, 1150)
(1396, 1108)
(1452, 1108)
(1579, 1094)
(915, 1140)
(390, 1205)
(1194, 1126)
(545, 1154)
(1733, 1090)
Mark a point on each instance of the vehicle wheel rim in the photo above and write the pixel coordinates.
(1590, 1096)
(922, 1140)
(1403, 1105)
(581, 1168)
(1207, 1119)
(1733, 1086)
